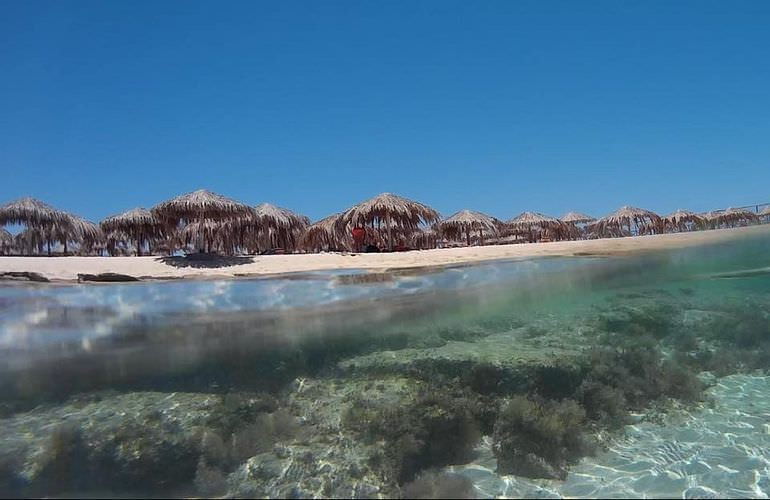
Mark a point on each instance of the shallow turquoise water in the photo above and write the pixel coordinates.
(314, 344)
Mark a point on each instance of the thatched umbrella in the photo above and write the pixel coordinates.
(77, 230)
(213, 234)
(30, 212)
(6, 241)
(30, 239)
(141, 224)
(34, 214)
(392, 210)
(116, 242)
(199, 206)
(736, 217)
(425, 238)
(280, 227)
(683, 220)
(325, 234)
(709, 219)
(467, 221)
(645, 222)
(530, 221)
(577, 218)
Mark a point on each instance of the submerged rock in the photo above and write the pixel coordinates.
(119, 443)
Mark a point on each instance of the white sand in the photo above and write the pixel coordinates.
(67, 268)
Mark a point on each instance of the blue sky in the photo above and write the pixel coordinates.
(494, 106)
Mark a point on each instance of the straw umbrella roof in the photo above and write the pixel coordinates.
(425, 238)
(468, 219)
(683, 217)
(279, 217)
(734, 215)
(627, 213)
(30, 211)
(577, 218)
(325, 233)
(201, 204)
(133, 220)
(209, 228)
(387, 206)
(6, 238)
(533, 219)
(645, 220)
(30, 239)
(78, 229)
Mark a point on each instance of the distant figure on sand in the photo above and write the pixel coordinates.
(359, 234)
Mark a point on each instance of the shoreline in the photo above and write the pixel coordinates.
(67, 269)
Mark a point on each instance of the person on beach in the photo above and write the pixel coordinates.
(359, 233)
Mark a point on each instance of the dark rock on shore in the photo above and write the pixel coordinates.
(24, 276)
(106, 277)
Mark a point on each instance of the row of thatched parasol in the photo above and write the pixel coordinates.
(213, 222)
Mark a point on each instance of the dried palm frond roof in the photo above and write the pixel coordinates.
(532, 219)
(401, 211)
(201, 204)
(136, 219)
(30, 211)
(735, 215)
(209, 228)
(681, 216)
(6, 238)
(279, 217)
(325, 232)
(626, 213)
(577, 218)
(84, 230)
(469, 220)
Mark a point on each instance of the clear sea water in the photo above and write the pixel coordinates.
(121, 389)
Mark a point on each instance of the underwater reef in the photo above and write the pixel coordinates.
(367, 414)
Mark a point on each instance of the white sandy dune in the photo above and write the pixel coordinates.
(68, 268)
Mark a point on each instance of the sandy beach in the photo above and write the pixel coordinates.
(154, 267)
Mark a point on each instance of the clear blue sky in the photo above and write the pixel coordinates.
(495, 106)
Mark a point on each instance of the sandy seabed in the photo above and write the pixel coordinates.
(68, 268)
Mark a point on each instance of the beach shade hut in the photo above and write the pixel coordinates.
(709, 219)
(30, 241)
(117, 243)
(538, 225)
(31, 212)
(6, 241)
(683, 220)
(425, 239)
(733, 217)
(627, 220)
(577, 218)
(279, 227)
(467, 222)
(199, 206)
(325, 234)
(77, 230)
(34, 214)
(91, 235)
(215, 235)
(390, 210)
(139, 224)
